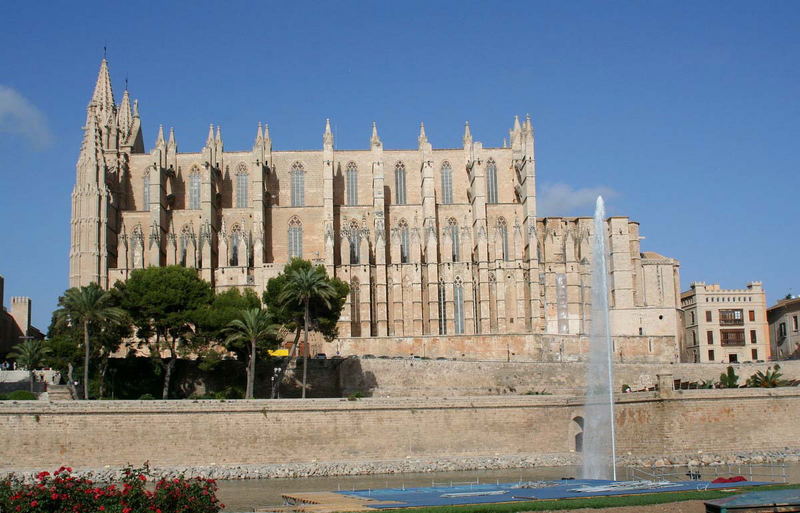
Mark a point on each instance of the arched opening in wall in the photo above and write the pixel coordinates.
(355, 308)
(577, 428)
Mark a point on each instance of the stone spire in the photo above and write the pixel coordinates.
(375, 140)
(516, 124)
(528, 124)
(467, 134)
(103, 96)
(160, 137)
(135, 108)
(90, 149)
(327, 137)
(266, 132)
(124, 117)
(218, 139)
(210, 138)
(171, 141)
(422, 139)
(259, 135)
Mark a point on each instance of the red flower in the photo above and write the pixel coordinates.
(34, 504)
(54, 496)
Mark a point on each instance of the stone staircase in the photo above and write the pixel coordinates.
(58, 393)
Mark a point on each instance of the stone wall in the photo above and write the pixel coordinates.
(437, 378)
(260, 432)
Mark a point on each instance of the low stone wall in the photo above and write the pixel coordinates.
(444, 378)
(326, 433)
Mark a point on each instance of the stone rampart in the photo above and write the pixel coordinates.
(261, 432)
(443, 378)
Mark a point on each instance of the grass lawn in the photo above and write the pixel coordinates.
(597, 502)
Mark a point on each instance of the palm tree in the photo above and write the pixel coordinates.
(82, 306)
(29, 354)
(254, 326)
(301, 287)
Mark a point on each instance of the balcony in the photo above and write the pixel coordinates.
(731, 322)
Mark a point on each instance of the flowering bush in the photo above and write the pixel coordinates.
(62, 492)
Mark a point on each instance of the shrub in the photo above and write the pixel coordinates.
(21, 395)
(62, 493)
(729, 379)
(147, 397)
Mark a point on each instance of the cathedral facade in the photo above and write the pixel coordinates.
(433, 242)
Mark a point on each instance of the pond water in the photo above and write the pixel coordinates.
(249, 494)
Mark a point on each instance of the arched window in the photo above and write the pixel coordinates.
(452, 231)
(400, 183)
(403, 232)
(236, 241)
(355, 307)
(146, 191)
(502, 232)
(442, 310)
(298, 178)
(491, 182)
(194, 189)
(458, 303)
(241, 186)
(295, 238)
(351, 173)
(447, 183)
(354, 236)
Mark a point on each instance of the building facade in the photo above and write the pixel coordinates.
(432, 241)
(725, 325)
(784, 328)
(15, 324)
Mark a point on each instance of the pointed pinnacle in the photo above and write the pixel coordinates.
(467, 133)
(160, 137)
(259, 133)
(210, 138)
(171, 141)
(136, 108)
(103, 97)
(219, 134)
(327, 137)
(374, 139)
(528, 124)
(266, 131)
(516, 124)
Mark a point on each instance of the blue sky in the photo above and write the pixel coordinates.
(685, 114)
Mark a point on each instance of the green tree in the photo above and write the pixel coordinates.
(729, 379)
(29, 354)
(254, 329)
(88, 306)
(164, 303)
(303, 286)
(769, 379)
(65, 354)
(291, 314)
(226, 306)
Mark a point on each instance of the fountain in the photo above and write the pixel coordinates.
(599, 443)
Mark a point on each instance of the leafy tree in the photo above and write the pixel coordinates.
(87, 306)
(64, 342)
(163, 303)
(254, 328)
(226, 306)
(303, 285)
(29, 354)
(324, 314)
(729, 379)
(769, 379)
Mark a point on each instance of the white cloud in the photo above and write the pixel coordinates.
(19, 116)
(559, 199)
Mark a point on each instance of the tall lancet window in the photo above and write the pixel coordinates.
(355, 307)
(298, 179)
(458, 303)
(241, 186)
(452, 231)
(400, 183)
(442, 310)
(146, 191)
(351, 175)
(491, 182)
(295, 238)
(404, 243)
(194, 190)
(184, 245)
(236, 242)
(502, 232)
(447, 183)
(354, 237)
